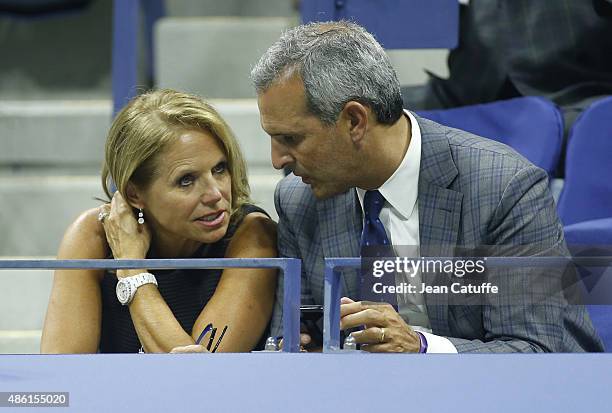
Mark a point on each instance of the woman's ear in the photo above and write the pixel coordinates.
(133, 196)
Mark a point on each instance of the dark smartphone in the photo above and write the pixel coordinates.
(310, 314)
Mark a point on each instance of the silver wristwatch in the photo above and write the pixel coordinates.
(126, 287)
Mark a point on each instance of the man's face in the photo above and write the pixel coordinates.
(321, 155)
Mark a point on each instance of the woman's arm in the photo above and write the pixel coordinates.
(243, 299)
(157, 328)
(73, 320)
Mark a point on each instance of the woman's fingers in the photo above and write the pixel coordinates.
(126, 238)
(193, 348)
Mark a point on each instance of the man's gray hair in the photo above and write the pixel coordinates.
(338, 62)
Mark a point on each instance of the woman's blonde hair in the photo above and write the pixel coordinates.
(151, 121)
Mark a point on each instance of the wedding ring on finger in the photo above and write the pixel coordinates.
(382, 336)
(102, 216)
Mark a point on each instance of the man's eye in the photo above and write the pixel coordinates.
(185, 180)
(289, 139)
(220, 168)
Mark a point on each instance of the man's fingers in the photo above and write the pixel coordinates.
(304, 340)
(346, 300)
(350, 308)
(369, 317)
(379, 306)
(372, 335)
(379, 348)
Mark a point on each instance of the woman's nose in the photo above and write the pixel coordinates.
(211, 194)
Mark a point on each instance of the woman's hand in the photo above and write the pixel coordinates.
(194, 348)
(126, 238)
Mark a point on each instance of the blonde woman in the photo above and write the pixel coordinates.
(182, 192)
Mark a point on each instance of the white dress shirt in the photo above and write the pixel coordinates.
(400, 217)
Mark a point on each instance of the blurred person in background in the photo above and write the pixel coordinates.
(560, 50)
(182, 192)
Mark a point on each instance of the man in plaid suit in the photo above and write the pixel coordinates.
(331, 103)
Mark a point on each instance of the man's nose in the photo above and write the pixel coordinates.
(280, 156)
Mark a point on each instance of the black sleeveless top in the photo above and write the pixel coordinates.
(186, 291)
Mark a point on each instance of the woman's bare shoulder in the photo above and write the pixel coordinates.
(85, 237)
(256, 232)
(258, 221)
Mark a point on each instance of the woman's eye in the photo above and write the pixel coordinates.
(185, 180)
(220, 168)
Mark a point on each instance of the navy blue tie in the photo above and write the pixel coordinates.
(375, 243)
(373, 230)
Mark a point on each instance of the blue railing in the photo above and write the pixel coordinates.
(333, 288)
(126, 28)
(290, 269)
(331, 300)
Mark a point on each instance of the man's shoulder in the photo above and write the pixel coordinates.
(292, 194)
(469, 147)
(465, 141)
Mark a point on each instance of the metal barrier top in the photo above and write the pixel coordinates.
(290, 268)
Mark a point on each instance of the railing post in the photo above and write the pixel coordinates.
(292, 272)
(331, 301)
(125, 52)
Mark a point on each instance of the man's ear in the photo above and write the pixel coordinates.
(356, 116)
(133, 196)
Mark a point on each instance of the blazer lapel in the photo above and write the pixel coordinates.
(340, 227)
(439, 212)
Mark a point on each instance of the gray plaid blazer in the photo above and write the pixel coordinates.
(472, 191)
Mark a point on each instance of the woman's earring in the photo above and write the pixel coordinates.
(140, 216)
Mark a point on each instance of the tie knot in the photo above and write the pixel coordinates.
(373, 202)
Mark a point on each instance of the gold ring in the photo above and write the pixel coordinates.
(102, 216)
(382, 335)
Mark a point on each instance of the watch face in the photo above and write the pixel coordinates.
(123, 291)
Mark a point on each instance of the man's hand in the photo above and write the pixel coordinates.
(305, 340)
(385, 330)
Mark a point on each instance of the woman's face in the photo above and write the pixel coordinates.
(190, 196)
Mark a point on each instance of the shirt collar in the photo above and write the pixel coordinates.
(402, 188)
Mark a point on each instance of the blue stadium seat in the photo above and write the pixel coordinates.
(591, 232)
(587, 193)
(601, 316)
(533, 126)
(585, 205)
(387, 20)
(596, 280)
